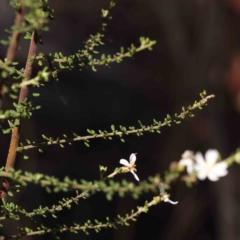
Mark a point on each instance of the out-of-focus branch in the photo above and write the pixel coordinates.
(16, 33)
(121, 221)
(13, 45)
(16, 130)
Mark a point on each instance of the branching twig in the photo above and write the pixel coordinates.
(118, 56)
(77, 227)
(199, 104)
(67, 203)
(71, 184)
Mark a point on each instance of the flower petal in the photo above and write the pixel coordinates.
(135, 175)
(201, 174)
(124, 162)
(185, 162)
(212, 176)
(132, 158)
(187, 154)
(199, 158)
(220, 169)
(211, 156)
(170, 201)
(188, 163)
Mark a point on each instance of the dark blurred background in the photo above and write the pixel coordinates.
(197, 48)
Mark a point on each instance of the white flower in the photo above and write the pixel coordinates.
(164, 196)
(187, 161)
(130, 166)
(166, 199)
(210, 168)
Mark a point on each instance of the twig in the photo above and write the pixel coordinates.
(36, 80)
(64, 185)
(201, 103)
(66, 203)
(121, 221)
(101, 62)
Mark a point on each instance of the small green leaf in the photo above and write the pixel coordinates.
(17, 122)
(48, 189)
(10, 193)
(6, 131)
(4, 74)
(94, 69)
(13, 96)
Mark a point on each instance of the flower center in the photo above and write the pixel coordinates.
(209, 168)
(165, 196)
(130, 167)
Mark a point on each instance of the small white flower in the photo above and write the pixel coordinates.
(130, 166)
(187, 161)
(210, 168)
(164, 196)
(166, 199)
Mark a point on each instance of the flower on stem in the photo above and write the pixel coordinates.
(164, 196)
(130, 166)
(204, 168)
(210, 168)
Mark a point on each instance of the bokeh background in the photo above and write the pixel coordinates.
(197, 48)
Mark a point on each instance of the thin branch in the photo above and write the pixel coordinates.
(199, 104)
(127, 54)
(73, 185)
(16, 130)
(66, 203)
(86, 189)
(123, 189)
(12, 48)
(16, 33)
(121, 221)
(118, 56)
